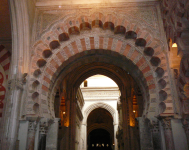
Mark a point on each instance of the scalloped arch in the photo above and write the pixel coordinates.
(93, 39)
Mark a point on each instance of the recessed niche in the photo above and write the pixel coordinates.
(35, 84)
(36, 108)
(162, 107)
(160, 72)
(97, 24)
(162, 95)
(35, 95)
(120, 30)
(73, 30)
(37, 73)
(149, 51)
(130, 35)
(85, 26)
(47, 53)
(63, 37)
(41, 63)
(109, 25)
(155, 61)
(140, 42)
(162, 83)
(54, 44)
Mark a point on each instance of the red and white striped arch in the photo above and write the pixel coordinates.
(71, 36)
(4, 69)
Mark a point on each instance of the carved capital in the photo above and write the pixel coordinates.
(166, 123)
(17, 83)
(43, 127)
(32, 126)
(154, 127)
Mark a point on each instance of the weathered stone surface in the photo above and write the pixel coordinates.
(145, 134)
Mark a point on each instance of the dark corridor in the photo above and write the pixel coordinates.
(99, 139)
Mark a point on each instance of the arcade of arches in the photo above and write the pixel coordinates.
(61, 49)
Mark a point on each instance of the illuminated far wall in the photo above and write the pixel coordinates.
(99, 81)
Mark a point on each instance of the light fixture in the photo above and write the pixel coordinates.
(64, 113)
(174, 45)
(134, 111)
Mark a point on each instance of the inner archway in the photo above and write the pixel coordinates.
(131, 95)
(99, 139)
(100, 131)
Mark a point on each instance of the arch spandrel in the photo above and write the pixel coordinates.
(98, 39)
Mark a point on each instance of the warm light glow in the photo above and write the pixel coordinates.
(59, 6)
(64, 112)
(134, 111)
(174, 45)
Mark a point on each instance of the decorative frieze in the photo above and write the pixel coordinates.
(100, 94)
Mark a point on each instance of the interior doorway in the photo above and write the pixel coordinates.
(100, 130)
(123, 100)
(99, 139)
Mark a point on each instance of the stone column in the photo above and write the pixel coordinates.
(10, 121)
(145, 134)
(156, 135)
(115, 139)
(31, 135)
(52, 135)
(126, 138)
(186, 128)
(84, 137)
(166, 123)
(72, 127)
(42, 136)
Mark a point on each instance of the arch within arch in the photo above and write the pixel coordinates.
(47, 70)
(105, 106)
(94, 106)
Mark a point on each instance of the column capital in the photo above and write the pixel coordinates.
(154, 126)
(17, 82)
(32, 126)
(166, 123)
(43, 126)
